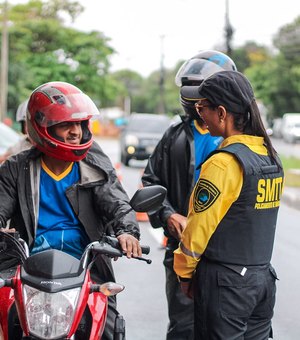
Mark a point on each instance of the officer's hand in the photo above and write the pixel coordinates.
(187, 288)
(176, 224)
(130, 245)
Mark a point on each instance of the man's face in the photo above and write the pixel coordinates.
(69, 132)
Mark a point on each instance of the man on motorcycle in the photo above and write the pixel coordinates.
(64, 190)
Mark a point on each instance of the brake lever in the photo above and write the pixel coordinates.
(148, 261)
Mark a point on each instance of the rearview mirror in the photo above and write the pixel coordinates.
(148, 199)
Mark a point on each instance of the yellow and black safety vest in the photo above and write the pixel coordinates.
(245, 235)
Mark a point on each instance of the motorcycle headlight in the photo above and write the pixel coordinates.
(50, 315)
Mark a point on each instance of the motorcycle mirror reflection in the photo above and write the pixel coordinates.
(148, 199)
(111, 288)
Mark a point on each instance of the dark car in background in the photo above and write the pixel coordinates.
(141, 135)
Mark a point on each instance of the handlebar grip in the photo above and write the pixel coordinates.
(14, 234)
(107, 249)
(145, 249)
(115, 243)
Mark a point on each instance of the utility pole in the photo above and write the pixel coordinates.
(162, 106)
(127, 106)
(228, 30)
(4, 63)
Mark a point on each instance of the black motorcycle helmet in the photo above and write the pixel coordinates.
(195, 70)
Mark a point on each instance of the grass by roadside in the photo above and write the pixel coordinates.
(291, 166)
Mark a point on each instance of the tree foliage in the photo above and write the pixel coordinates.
(276, 80)
(42, 49)
(250, 54)
(287, 40)
(145, 93)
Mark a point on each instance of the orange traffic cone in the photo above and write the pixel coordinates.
(141, 216)
(164, 242)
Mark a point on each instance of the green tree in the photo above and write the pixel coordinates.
(42, 49)
(145, 93)
(277, 80)
(287, 40)
(276, 83)
(129, 85)
(250, 54)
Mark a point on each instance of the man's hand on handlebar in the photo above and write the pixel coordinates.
(130, 245)
(7, 230)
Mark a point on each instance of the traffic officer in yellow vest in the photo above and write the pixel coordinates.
(223, 259)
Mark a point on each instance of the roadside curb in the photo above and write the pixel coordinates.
(291, 197)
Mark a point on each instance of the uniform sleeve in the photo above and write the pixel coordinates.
(217, 189)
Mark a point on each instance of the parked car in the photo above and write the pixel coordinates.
(277, 128)
(291, 127)
(8, 137)
(141, 135)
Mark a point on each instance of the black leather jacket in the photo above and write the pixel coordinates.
(172, 166)
(96, 199)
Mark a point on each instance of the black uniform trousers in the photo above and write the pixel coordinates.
(180, 307)
(233, 306)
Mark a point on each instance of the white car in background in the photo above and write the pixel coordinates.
(277, 128)
(290, 127)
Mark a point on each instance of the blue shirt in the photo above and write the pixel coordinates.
(204, 145)
(58, 226)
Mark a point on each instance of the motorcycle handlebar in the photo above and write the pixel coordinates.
(115, 243)
(110, 246)
(145, 249)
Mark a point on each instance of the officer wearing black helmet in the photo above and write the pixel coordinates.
(174, 164)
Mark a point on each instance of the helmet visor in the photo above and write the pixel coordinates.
(65, 108)
(196, 70)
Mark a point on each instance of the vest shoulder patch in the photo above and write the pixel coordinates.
(205, 195)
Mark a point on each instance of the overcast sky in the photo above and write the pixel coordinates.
(141, 31)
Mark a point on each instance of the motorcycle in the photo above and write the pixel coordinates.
(51, 294)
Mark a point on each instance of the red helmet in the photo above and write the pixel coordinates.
(54, 103)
